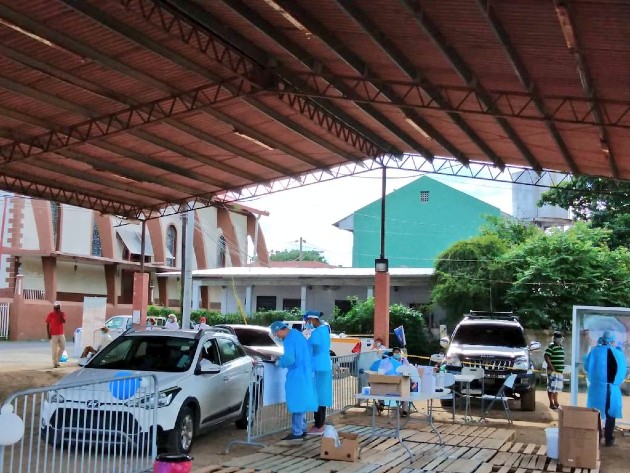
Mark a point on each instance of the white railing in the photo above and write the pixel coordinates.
(108, 426)
(34, 294)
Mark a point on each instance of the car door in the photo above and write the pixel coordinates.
(236, 367)
(210, 388)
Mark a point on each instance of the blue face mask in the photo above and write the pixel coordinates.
(309, 326)
(397, 356)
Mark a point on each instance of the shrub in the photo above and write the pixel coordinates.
(360, 320)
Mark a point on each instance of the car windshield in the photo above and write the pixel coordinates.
(167, 354)
(254, 338)
(491, 334)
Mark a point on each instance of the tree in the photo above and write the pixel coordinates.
(550, 273)
(603, 203)
(360, 320)
(294, 255)
(462, 276)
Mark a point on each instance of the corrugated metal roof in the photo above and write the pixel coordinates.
(283, 272)
(519, 82)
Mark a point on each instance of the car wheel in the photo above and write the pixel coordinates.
(181, 438)
(528, 400)
(241, 423)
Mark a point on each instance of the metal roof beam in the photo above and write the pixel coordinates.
(205, 160)
(80, 49)
(23, 185)
(464, 100)
(563, 11)
(465, 72)
(354, 61)
(388, 47)
(118, 122)
(261, 57)
(172, 21)
(525, 79)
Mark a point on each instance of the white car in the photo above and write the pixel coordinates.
(118, 324)
(202, 379)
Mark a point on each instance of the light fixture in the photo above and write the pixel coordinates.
(381, 265)
(252, 139)
(566, 26)
(417, 127)
(287, 16)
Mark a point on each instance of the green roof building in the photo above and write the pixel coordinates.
(422, 219)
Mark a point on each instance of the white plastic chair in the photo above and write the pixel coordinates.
(449, 381)
(500, 396)
(478, 373)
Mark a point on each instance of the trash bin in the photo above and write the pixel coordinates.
(77, 343)
(552, 442)
(172, 463)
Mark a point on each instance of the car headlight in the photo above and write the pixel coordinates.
(453, 360)
(164, 399)
(521, 363)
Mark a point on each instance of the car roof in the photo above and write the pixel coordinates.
(489, 321)
(191, 334)
(245, 326)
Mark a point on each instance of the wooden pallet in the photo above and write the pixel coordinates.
(466, 449)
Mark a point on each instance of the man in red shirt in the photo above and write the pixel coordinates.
(55, 328)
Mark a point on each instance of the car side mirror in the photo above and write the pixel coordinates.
(533, 346)
(444, 342)
(207, 367)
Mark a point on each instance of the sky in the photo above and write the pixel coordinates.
(310, 212)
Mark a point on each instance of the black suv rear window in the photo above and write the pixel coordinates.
(491, 334)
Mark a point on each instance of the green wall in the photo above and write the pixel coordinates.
(416, 232)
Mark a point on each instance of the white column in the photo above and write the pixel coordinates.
(196, 294)
(224, 300)
(248, 299)
(370, 292)
(303, 298)
(188, 256)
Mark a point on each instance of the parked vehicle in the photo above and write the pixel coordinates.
(202, 378)
(256, 340)
(118, 324)
(495, 342)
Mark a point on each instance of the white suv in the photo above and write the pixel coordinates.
(202, 379)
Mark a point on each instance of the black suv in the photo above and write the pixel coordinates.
(495, 342)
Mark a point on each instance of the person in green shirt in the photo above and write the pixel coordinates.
(554, 356)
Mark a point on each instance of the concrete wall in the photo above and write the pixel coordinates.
(77, 225)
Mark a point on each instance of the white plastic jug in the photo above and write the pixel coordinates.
(552, 442)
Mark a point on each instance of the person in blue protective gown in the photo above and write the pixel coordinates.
(299, 390)
(319, 345)
(605, 367)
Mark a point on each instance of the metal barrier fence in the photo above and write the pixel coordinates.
(264, 420)
(106, 426)
(4, 320)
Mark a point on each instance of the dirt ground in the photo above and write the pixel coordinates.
(209, 449)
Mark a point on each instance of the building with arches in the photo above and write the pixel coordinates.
(52, 251)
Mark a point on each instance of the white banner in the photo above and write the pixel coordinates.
(273, 384)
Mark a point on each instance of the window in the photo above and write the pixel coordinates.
(344, 306)
(171, 245)
(266, 303)
(251, 337)
(229, 350)
(210, 352)
(489, 334)
(221, 252)
(290, 304)
(96, 241)
(424, 196)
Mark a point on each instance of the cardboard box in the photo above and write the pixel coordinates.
(385, 385)
(578, 437)
(348, 450)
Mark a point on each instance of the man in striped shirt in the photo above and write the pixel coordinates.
(554, 356)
